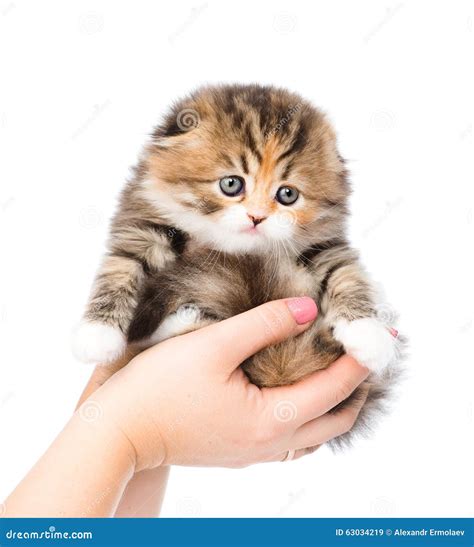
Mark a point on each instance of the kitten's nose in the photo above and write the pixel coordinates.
(256, 220)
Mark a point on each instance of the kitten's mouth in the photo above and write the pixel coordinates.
(250, 230)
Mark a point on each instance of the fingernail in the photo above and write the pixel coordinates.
(393, 332)
(303, 309)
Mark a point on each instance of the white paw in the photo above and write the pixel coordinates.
(368, 341)
(94, 342)
(181, 321)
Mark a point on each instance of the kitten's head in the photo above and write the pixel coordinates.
(248, 169)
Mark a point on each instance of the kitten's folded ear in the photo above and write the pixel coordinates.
(178, 127)
(164, 141)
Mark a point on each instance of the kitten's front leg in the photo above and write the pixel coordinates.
(369, 341)
(135, 249)
(101, 335)
(349, 304)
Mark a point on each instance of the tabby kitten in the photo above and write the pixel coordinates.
(240, 197)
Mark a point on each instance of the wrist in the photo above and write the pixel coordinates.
(87, 467)
(128, 421)
(96, 427)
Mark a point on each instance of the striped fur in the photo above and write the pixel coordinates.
(177, 240)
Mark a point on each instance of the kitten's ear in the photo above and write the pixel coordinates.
(179, 127)
(162, 142)
(162, 139)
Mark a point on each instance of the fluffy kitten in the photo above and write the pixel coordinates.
(239, 198)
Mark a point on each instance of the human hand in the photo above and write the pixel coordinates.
(187, 402)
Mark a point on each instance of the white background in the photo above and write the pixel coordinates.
(81, 85)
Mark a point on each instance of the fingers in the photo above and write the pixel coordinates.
(291, 455)
(312, 435)
(321, 391)
(241, 336)
(329, 426)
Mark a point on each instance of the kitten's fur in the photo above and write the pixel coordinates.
(182, 254)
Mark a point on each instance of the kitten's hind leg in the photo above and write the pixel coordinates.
(164, 310)
(187, 318)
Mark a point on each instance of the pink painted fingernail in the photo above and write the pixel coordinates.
(393, 332)
(303, 309)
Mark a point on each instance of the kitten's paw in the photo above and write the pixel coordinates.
(368, 341)
(94, 342)
(183, 320)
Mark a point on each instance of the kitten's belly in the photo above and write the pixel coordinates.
(202, 294)
(298, 280)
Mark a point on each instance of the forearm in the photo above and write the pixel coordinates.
(82, 474)
(347, 294)
(144, 494)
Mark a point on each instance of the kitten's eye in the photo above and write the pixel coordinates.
(231, 186)
(287, 195)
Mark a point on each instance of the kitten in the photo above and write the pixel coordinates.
(239, 198)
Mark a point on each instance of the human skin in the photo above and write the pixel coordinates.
(187, 402)
(145, 492)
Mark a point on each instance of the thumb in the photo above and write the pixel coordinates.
(241, 336)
